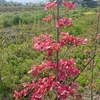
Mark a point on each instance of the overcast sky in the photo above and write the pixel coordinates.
(27, 1)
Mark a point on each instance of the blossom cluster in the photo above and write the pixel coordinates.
(40, 88)
(69, 5)
(64, 22)
(48, 18)
(66, 37)
(43, 85)
(63, 91)
(48, 45)
(49, 64)
(65, 68)
(50, 5)
(45, 43)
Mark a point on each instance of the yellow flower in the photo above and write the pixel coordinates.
(89, 13)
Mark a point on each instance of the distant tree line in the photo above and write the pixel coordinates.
(84, 3)
(5, 3)
(90, 3)
(60, 1)
(11, 3)
(2, 2)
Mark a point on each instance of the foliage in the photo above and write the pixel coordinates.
(17, 54)
(10, 19)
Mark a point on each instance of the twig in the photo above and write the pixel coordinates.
(82, 69)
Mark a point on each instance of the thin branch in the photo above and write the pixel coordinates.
(57, 40)
(82, 69)
(94, 51)
(57, 31)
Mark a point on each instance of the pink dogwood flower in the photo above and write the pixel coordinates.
(46, 43)
(16, 94)
(78, 96)
(50, 5)
(63, 64)
(69, 5)
(67, 21)
(56, 46)
(35, 70)
(64, 22)
(83, 40)
(47, 18)
(60, 23)
(62, 75)
(66, 37)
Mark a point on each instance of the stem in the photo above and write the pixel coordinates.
(94, 52)
(57, 40)
(57, 32)
(0, 77)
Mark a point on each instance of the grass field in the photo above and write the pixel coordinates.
(17, 29)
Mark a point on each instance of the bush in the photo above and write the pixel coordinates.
(7, 23)
(16, 20)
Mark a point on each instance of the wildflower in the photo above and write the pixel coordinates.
(89, 13)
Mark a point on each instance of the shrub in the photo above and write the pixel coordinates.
(16, 20)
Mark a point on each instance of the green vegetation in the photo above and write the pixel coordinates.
(13, 18)
(17, 55)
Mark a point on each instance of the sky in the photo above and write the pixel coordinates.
(28, 1)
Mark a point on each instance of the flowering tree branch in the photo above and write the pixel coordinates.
(53, 73)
